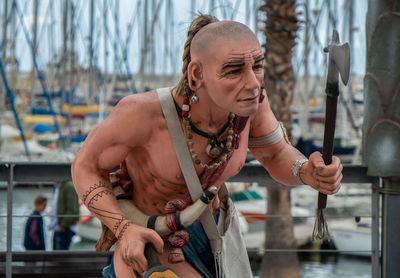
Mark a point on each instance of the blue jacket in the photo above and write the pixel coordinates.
(34, 233)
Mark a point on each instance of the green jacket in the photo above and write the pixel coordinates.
(68, 204)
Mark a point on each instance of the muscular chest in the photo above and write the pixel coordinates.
(157, 176)
(166, 165)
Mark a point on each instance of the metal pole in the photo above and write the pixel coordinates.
(9, 220)
(375, 209)
(390, 228)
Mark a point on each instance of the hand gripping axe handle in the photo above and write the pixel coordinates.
(156, 269)
(338, 63)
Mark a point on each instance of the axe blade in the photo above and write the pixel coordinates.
(340, 54)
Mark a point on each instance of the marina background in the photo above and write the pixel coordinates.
(67, 63)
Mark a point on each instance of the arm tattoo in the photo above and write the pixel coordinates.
(93, 195)
(121, 233)
(118, 224)
(95, 192)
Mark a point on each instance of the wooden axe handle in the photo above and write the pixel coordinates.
(151, 255)
(329, 136)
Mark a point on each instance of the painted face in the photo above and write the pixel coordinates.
(234, 74)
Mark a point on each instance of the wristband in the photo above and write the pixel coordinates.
(296, 170)
(120, 227)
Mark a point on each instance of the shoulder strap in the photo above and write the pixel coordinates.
(182, 152)
(185, 161)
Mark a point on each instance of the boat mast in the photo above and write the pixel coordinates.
(105, 14)
(64, 50)
(152, 48)
(34, 42)
(148, 38)
(211, 7)
(303, 120)
(247, 19)
(72, 66)
(91, 22)
(193, 9)
(103, 89)
(115, 47)
(144, 46)
(50, 43)
(166, 34)
(350, 26)
(4, 40)
(256, 7)
(14, 62)
(4, 52)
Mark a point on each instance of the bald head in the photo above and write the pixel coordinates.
(203, 41)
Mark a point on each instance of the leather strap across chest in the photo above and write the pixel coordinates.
(185, 161)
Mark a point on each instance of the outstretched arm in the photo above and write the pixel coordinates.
(279, 158)
(105, 147)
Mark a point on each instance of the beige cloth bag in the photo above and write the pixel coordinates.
(227, 244)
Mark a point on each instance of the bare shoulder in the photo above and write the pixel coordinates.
(128, 126)
(138, 104)
(263, 121)
(128, 123)
(134, 116)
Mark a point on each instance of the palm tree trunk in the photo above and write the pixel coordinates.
(280, 31)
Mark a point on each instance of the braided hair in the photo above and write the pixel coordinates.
(183, 89)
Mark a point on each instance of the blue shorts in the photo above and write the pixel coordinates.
(197, 252)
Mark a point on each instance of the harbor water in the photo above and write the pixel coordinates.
(23, 204)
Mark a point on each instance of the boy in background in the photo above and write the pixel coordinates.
(34, 233)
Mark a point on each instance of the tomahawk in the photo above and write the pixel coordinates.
(338, 63)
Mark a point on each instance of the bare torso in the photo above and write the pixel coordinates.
(155, 171)
(157, 178)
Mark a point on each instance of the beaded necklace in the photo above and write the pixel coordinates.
(215, 148)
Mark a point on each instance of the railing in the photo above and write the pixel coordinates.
(41, 173)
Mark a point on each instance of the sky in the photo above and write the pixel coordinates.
(170, 32)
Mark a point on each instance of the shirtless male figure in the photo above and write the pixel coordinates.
(223, 65)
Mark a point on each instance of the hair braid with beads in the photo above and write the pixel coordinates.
(183, 89)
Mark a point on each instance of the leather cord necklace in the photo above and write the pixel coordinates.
(215, 146)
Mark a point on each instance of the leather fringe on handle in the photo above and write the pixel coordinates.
(320, 230)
